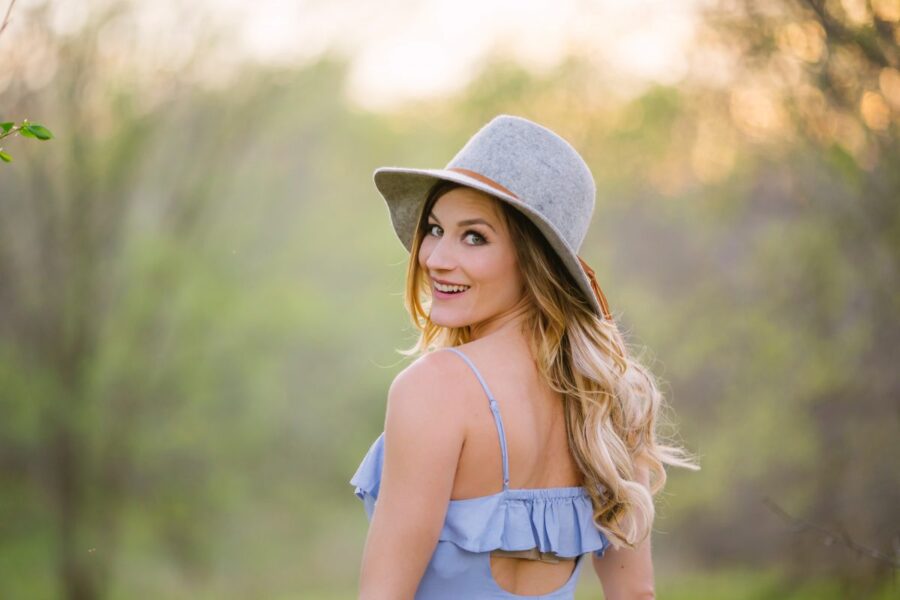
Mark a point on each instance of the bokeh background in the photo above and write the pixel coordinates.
(201, 294)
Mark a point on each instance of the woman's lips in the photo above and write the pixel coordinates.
(439, 294)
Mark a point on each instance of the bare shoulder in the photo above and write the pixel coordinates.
(428, 372)
(428, 389)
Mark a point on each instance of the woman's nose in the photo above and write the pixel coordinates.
(441, 256)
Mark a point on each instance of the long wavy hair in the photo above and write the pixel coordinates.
(612, 402)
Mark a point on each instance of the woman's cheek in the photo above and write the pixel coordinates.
(424, 252)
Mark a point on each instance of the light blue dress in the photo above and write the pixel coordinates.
(557, 520)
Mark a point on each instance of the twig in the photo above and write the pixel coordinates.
(12, 131)
(6, 18)
(831, 537)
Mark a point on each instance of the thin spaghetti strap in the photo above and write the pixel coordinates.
(495, 408)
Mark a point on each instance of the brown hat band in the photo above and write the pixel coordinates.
(485, 180)
(596, 287)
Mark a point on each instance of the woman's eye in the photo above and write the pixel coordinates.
(479, 238)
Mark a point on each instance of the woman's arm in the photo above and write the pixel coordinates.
(627, 573)
(423, 437)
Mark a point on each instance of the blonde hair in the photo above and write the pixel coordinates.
(611, 401)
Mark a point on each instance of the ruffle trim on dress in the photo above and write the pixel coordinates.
(558, 520)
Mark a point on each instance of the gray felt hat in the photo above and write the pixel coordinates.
(521, 163)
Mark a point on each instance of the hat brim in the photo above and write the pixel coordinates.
(404, 190)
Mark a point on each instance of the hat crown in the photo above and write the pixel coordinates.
(541, 168)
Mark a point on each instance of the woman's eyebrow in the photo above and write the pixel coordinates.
(467, 222)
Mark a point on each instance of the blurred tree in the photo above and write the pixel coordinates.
(177, 359)
(86, 305)
(816, 84)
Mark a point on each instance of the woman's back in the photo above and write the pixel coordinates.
(508, 531)
(537, 447)
(532, 416)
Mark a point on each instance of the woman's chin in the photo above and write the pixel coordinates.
(447, 318)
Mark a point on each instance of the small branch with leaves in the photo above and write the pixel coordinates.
(25, 129)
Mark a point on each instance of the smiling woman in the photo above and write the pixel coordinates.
(474, 256)
(494, 279)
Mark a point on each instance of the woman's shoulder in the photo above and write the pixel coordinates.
(431, 366)
(435, 373)
(443, 363)
(441, 374)
(430, 390)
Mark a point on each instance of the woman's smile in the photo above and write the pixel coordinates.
(441, 290)
(445, 289)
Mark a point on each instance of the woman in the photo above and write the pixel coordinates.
(518, 347)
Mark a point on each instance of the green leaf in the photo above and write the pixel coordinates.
(26, 131)
(5, 157)
(7, 126)
(39, 131)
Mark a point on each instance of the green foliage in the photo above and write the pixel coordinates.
(35, 131)
(24, 129)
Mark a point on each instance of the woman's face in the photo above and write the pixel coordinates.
(467, 243)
